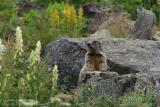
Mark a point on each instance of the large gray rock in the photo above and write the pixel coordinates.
(143, 25)
(68, 55)
(123, 56)
(109, 83)
(95, 16)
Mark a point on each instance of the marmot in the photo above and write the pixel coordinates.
(95, 58)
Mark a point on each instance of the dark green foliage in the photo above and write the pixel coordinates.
(142, 98)
(153, 5)
(7, 17)
(129, 5)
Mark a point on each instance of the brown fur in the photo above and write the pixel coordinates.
(95, 58)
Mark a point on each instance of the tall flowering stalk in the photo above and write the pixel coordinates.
(54, 79)
(2, 49)
(55, 20)
(19, 43)
(3, 86)
(29, 84)
(33, 74)
(70, 13)
(35, 55)
(55, 16)
(80, 19)
(70, 18)
(80, 14)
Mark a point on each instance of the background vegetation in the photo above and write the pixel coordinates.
(28, 25)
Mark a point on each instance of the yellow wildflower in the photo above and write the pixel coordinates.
(55, 16)
(80, 13)
(70, 13)
(67, 11)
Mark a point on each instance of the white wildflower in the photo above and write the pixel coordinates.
(66, 104)
(35, 55)
(28, 102)
(54, 78)
(28, 77)
(2, 47)
(19, 42)
(54, 99)
(55, 75)
(7, 77)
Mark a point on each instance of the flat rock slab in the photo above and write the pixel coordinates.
(130, 56)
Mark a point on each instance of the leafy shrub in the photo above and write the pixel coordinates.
(8, 19)
(24, 80)
(55, 21)
(7, 8)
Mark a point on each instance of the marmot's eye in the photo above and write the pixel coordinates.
(88, 44)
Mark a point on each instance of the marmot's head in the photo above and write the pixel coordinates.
(93, 46)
